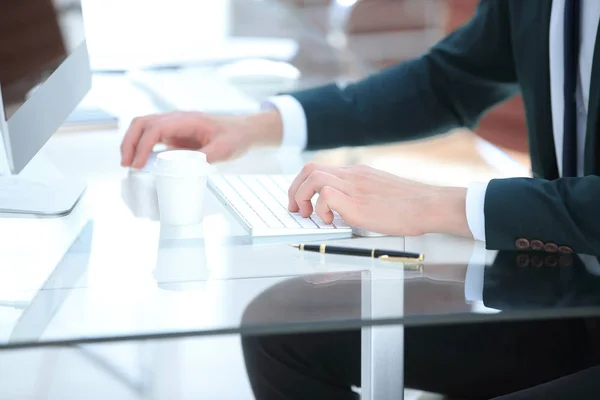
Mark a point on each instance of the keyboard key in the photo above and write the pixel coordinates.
(256, 203)
(283, 198)
(274, 189)
(340, 223)
(320, 223)
(304, 222)
(278, 209)
(283, 183)
(237, 202)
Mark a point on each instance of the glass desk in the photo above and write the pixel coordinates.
(278, 290)
(126, 279)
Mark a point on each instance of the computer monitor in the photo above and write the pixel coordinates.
(44, 74)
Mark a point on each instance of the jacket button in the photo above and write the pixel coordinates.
(523, 260)
(551, 247)
(551, 261)
(522, 244)
(565, 250)
(537, 245)
(537, 261)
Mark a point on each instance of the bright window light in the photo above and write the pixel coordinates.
(346, 3)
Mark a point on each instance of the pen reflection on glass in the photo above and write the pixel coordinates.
(385, 255)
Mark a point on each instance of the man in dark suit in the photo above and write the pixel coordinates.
(505, 48)
(545, 49)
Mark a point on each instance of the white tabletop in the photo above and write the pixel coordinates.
(126, 261)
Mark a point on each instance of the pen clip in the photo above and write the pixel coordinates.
(402, 259)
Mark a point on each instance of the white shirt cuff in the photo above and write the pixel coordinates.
(475, 210)
(295, 133)
(475, 275)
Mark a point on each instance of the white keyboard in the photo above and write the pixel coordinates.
(260, 203)
(192, 90)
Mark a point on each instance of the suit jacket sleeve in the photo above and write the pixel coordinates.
(564, 211)
(451, 86)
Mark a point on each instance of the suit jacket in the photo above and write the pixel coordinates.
(504, 49)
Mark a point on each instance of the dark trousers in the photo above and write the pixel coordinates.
(509, 361)
(518, 360)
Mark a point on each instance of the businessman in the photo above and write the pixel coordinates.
(545, 49)
(537, 47)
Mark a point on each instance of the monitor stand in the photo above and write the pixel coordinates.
(46, 195)
(49, 196)
(20, 196)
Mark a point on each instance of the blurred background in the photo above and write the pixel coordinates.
(262, 48)
(324, 41)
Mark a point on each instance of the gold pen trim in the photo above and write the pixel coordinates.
(322, 249)
(373, 253)
(302, 246)
(402, 259)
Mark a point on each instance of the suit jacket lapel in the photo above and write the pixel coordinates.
(591, 160)
(542, 136)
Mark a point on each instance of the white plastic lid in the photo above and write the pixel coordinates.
(181, 162)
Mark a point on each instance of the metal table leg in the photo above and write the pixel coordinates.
(382, 346)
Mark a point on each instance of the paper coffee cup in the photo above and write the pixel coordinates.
(180, 177)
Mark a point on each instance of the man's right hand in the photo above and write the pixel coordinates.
(219, 137)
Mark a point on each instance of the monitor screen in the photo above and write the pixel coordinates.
(36, 36)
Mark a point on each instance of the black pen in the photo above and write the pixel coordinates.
(386, 255)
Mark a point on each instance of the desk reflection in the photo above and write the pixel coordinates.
(539, 333)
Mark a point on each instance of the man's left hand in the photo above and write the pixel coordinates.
(377, 201)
